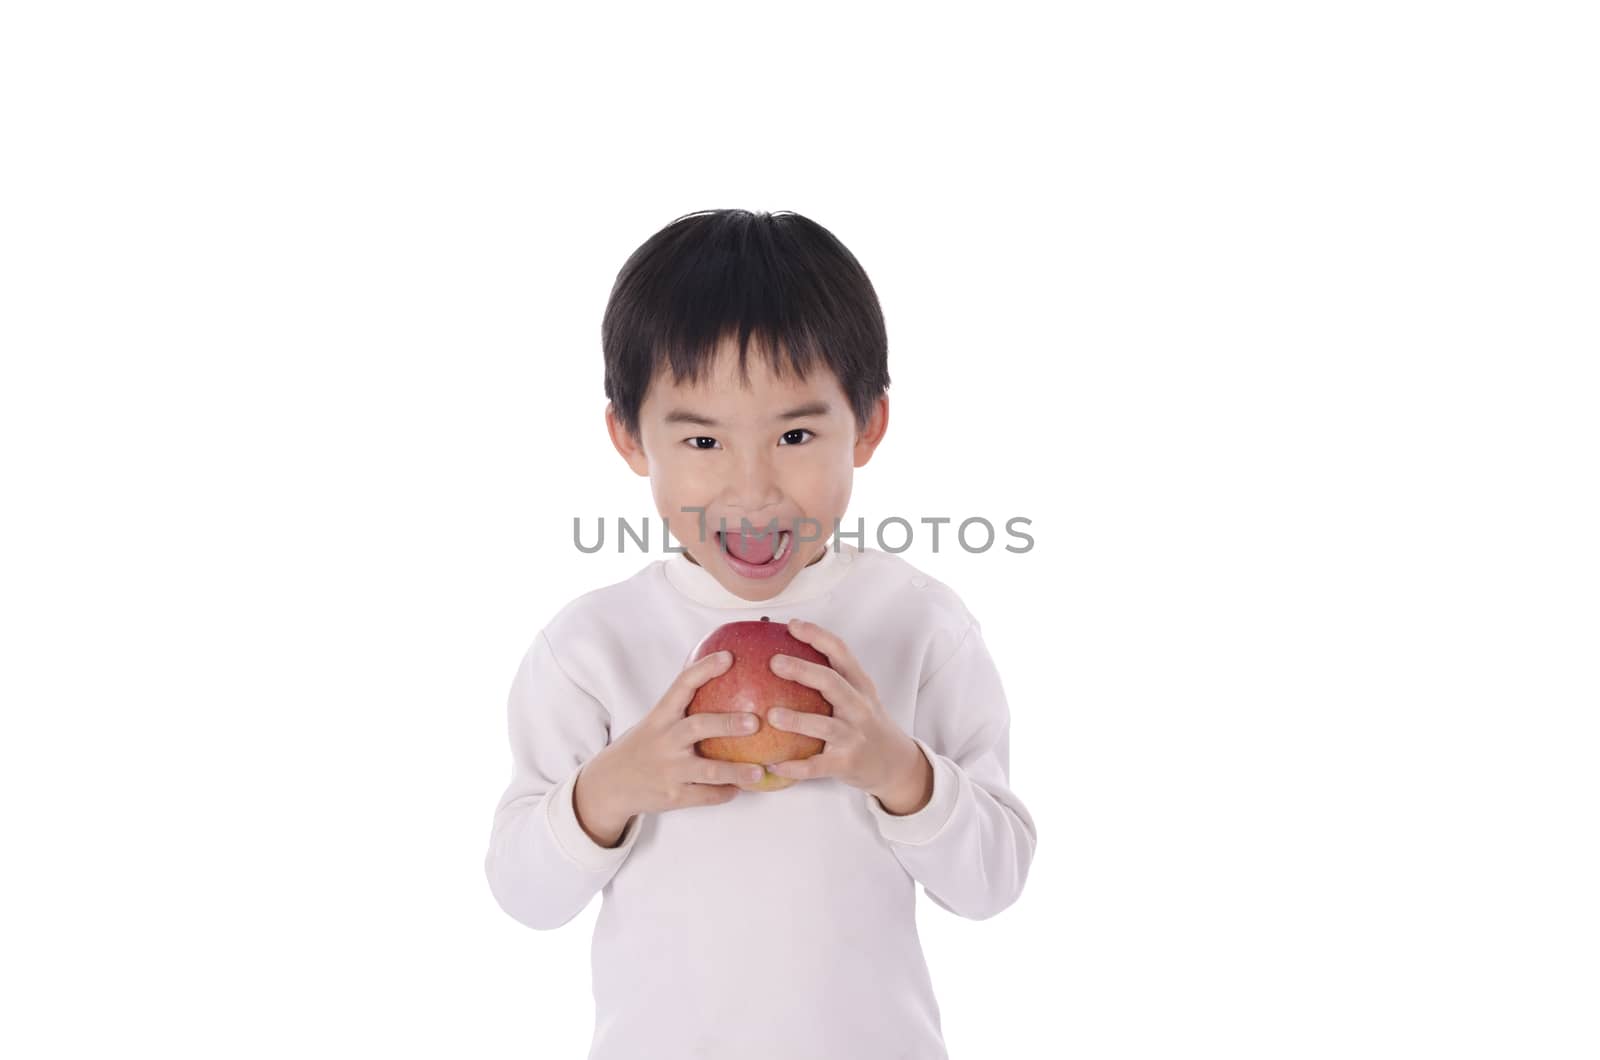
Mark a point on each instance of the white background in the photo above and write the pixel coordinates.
(1278, 320)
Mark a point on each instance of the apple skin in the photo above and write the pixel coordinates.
(748, 684)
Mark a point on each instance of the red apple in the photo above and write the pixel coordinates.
(748, 684)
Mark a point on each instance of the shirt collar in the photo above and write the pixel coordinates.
(809, 583)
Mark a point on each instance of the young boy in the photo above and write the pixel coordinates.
(746, 367)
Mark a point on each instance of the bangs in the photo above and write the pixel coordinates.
(779, 286)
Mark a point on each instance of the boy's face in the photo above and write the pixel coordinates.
(734, 452)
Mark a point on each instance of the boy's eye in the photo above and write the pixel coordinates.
(702, 441)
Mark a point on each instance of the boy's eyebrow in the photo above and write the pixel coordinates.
(810, 408)
(681, 416)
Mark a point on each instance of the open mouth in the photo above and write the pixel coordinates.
(756, 556)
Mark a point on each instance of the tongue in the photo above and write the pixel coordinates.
(751, 549)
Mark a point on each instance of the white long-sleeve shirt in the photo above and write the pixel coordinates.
(817, 875)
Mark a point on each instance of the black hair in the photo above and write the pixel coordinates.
(780, 277)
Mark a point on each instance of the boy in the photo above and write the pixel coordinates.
(746, 367)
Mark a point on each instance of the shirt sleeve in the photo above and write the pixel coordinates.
(972, 844)
(543, 868)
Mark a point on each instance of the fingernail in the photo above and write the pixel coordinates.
(748, 723)
(755, 774)
(781, 662)
(776, 716)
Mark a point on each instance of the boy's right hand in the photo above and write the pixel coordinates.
(654, 766)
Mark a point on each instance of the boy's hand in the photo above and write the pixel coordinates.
(865, 748)
(654, 766)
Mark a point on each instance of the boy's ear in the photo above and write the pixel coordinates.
(630, 447)
(869, 437)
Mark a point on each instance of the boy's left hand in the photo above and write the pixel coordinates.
(865, 747)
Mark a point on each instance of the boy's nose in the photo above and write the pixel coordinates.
(753, 490)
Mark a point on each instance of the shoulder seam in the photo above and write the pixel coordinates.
(937, 670)
(556, 658)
